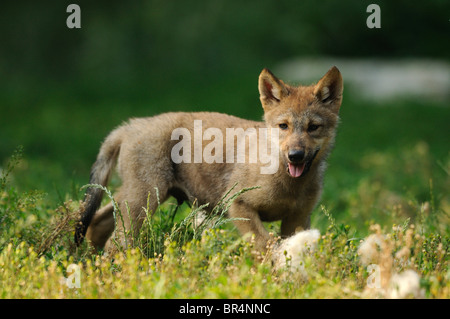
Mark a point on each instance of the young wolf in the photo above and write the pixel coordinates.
(305, 119)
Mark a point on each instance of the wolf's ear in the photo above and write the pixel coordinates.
(329, 89)
(271, 89)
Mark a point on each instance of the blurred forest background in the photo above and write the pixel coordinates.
(62, 90)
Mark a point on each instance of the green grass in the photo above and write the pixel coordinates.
(388, 175)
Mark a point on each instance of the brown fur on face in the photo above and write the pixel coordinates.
(306, 117)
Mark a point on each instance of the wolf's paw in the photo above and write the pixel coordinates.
(293, 250)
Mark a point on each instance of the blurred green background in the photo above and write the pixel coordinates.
(62, 90)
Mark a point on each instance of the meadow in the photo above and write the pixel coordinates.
(387, 185)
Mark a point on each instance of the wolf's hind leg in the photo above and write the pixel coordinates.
(135, 201)
(101, 227)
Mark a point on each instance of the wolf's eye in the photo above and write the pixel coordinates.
(283, 126)
(313, 127)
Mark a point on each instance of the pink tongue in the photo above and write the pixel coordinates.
(295, 170)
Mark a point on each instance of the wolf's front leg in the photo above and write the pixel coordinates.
(249, 224)
(294, 222)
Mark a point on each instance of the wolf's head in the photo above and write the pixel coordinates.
(306, 116)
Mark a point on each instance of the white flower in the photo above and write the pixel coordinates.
(405, 285)
(294, 249)
(370, 249)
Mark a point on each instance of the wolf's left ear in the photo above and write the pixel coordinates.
(271, 89)
(329, 89)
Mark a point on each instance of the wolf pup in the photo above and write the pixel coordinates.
(149, 154)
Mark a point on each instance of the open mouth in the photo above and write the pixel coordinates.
(296, 170)
(300, 169)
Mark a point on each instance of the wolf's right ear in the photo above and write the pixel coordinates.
(271, 89)
(329, 89)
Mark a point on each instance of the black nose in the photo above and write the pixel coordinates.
(296, 155)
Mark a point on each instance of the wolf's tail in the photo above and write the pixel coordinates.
(100, 174)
